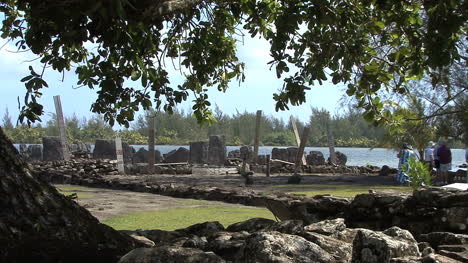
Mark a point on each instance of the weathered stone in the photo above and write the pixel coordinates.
(280, 154)
(180, 155)
(264, 247)
(217, 150)
(292, 227)
(381, 247)
(341, 158)
(37, 224)
(385, 171)
(202, 229)
(105, 149)
(34, 152)
(141, 156)
(327, 227)
(198, 152)
(436, 239)
(339, 250)
(246, 152)
(80, 147)
(251, 225)
(52, 149)
(227, 244)
(292, 154)
(194, 241)
(168, 254)
(315, 158)
(234, 154)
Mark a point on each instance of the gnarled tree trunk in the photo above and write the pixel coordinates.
(37, 224)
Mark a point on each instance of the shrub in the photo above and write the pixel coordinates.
(418, 173)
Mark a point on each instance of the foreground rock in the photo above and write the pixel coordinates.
(263, 241)
(37, 224)
(170, 255)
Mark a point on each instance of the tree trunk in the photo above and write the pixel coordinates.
(38, 224)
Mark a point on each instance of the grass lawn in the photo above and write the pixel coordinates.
(172, 219)
(344, 190)
(70, 189)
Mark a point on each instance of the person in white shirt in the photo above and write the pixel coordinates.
(429, 155)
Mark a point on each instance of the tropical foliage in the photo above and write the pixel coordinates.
(371, 46)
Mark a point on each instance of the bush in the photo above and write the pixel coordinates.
(418, 173)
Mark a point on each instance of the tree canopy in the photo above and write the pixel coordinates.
(372, 46)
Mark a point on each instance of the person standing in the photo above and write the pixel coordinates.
(403, 164)
(429, 155)
(445, 160)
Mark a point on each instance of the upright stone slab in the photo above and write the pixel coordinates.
(105, 149)
(292, 153)
(198, 152)
(52, 149)
(34, 152)
(217, 150)
(280, 154)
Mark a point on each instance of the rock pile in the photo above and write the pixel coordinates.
(261, 240)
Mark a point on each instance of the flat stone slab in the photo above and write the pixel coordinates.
(459, 186)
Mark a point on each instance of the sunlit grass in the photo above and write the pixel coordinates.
(171, 219)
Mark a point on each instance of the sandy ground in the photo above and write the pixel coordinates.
(106, 203)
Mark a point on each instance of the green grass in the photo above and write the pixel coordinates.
(338, 190)
(70, 189)
(172, 219)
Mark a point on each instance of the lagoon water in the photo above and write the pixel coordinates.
(356, 156)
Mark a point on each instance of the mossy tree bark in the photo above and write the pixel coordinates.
(38, 224)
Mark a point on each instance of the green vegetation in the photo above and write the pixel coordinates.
(172, 219)
(70, 190)
(418, 173)
(375, 48)
(338, 190)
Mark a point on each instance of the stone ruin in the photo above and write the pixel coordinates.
(39, 225)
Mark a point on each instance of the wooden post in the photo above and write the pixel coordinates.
(268, 165)
(61, 127)
(151, 145)
(118, 148)
(257, 135)
(300, 152)
(331, 143)
(298, 139)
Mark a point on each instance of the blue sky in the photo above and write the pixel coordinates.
(252, 95)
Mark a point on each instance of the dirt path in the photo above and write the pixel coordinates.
(106, 203)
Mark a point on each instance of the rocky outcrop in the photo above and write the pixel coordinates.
(169, 254)
(181, 155)
(287, 241)
(279, 247)
(341, 158)
(37, 224)
(380, 247)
